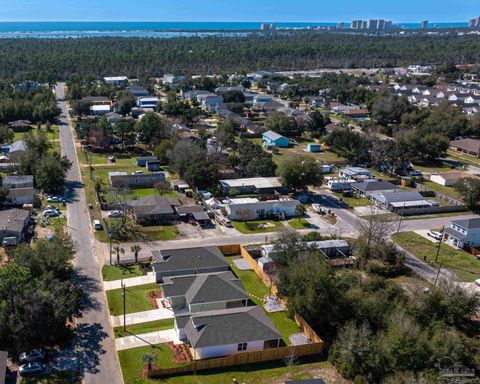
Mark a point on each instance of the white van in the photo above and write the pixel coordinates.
(97, 225)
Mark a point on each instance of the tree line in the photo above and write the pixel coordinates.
(54, 59)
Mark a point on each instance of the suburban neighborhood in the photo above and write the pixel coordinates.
(266, 226)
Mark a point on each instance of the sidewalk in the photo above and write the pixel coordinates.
(130, 282)
(144, 339)
(142, 317)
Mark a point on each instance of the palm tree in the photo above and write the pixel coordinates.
(118, 250)
(148, 358)
(136, 249)
(300, 210)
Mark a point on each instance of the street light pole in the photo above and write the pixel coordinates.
(401, 217)
(124, 306)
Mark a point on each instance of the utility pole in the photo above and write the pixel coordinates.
(401, 217)
(439, 245)
(436, 277)
(124, 294)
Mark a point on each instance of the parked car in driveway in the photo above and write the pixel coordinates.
(317, 208)
(436, 235)
(32, 369)
(32, 356)
(54, 199)
(114, 214)
(50, 213)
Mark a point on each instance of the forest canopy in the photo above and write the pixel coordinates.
(54, 59)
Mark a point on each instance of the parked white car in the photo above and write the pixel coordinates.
(317, 208)
(50, 213)
(436, 235)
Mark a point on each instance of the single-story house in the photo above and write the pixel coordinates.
(142, 160)
(100, 110)
(325, 168)
(367, 187)
(16, 149)
(201, 218)
(147, 102)
(20, 189)
(210, 101)
(463, 233)
(357, 113)
(230, 331)
(252, 208)
(113, 117)
(355, 173)
(339, 185)
(261, 185)
(143, 180)
(470, 146)
(185, 212)
(154, 209)
(398, 200)
(137, 91)
(20, 125)
(188, 261)
(330, 248)
(204, 292)
(273, 139)
(450, 178)
(13, 223)
(116, 80)
(313, 147)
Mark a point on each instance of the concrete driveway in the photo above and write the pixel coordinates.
(144, 339)
(142, 317)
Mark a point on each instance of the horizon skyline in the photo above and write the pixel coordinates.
(303, 11)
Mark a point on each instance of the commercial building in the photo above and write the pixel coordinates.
(251, 208)
(260, 185)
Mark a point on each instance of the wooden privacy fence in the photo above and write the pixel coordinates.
(242, 358)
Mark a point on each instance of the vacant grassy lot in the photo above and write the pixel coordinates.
(136, 299)
(257, 226)
(299, 224)
(433, 166)
(137, 329)
(112, 272)
(258, 290)
(354, 201)
(52, 132)
(447, 191)
(463, 158)
(466, 266)
(326, 156)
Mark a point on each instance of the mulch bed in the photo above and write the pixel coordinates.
(145, 369)
(153, 297)
(181, 354)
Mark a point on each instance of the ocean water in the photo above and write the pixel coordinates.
(151, 29)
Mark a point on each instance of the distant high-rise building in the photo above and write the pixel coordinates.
(474, 23)
(381, 24)
(424, 24)
(356, 24)
(341, 25)
(477, 24)
(265, 27)
(372, 24)
(364, 24)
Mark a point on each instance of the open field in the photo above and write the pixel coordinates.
(464, 265)
(464, 158)
(136, 299)
(326, 156)
(258, 290)
(257, 226)
(433, 166)
(138, 329)
(52, 133)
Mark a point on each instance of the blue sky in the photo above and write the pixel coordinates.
(238, 10)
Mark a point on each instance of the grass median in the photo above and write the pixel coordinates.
(138, 329)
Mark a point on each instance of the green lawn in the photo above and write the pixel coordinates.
(433, 166)
(52, 133)
(272, 372)
(466, 266)
(137, 329)
(255, 226)
(112, 272)
(354, 201)
(132, 363)
(448, 191)
(464, 158)
(258, 291)
(159, 232)
(299, 223)
(136, 299)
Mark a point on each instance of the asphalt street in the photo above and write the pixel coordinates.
(94, 324)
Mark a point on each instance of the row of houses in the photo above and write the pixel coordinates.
(213, 312)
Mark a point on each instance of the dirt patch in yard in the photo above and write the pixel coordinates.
(153, 297)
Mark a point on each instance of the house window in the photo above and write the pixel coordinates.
(242, 347)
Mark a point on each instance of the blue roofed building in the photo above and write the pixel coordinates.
(273, 139)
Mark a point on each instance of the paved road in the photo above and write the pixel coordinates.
(96, 320)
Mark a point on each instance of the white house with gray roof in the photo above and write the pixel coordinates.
(398, 200)
(227, 332)
(463, 233)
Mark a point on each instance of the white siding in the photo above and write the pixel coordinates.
(226, 350)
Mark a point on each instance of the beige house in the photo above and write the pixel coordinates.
(449, 179)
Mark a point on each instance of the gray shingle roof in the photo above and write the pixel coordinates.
(272, 135)
(472, 145)
(369, 186)
(205, 288)
(188, 259)
(230, 326)
(467, 224)
(395, 197)
(455, 233)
